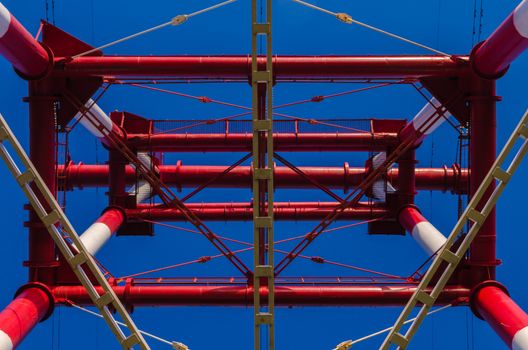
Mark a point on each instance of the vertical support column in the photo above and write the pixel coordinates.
(42, 142)
(262, 85)
(117, 179)
(482, 155)
(407, 178)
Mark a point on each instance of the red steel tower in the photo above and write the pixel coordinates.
(64, 76)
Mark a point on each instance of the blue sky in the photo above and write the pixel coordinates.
(443, 24)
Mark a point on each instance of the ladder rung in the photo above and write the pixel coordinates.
(105, 300)
(501, 175)
(262, 174)
(51, 219)
(449, 256)
(399, 340)
(264, 271)
(524, 131)
(476, 216)
(263, 318)
(262, 125)
(4, 135)
(262, 77)
(26, 177)
(261, 28)
(263, 222)
(425, 298)
(51, 214)
(130, 341)
(78, 259)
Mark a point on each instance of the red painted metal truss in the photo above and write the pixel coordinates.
(379, 192)
(131, 138)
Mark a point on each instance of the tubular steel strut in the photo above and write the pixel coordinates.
(55, 221)
(448, 259)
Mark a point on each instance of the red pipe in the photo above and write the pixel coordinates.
(492, 57)
(113, 218)
(244, 211)
(20, 48)
(490, 301)
(292, 295)
(407, 178)
(96, 236)
(285, 142)
(42, 260)
(482, 150)
(32, 304)
(184, 176)
(423, 232)
(284, 67)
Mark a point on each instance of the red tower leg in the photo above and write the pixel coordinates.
(20, 48)
(493, 56)
(491, 302)
(33, 304)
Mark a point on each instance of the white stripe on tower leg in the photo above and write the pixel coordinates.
(95, 237)
(520, 18)
(97, 113)
(5, 20)
(520, 340)
(428, 237)
(5, 341)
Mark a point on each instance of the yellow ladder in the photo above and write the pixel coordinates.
(262, 87)
(58, 225)
(427, 292)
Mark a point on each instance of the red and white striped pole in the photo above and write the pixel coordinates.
(93, 117)
(96, 116)
(32, 304)
(96, 236)
(491, 58)
(423, 124)
(490, 301)
(423, 232)
(17, 45)
(428, 118)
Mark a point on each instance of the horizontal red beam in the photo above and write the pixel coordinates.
(244, 211)
(288, 142)
(188, 176)
(284, 67)
(243, 295)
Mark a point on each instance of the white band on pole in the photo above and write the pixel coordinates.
(5, 341)
(520, 18)
(5, 20)
(98, 113)
(95, 237)
(425, 114)
(520, 340)
(428, 237)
